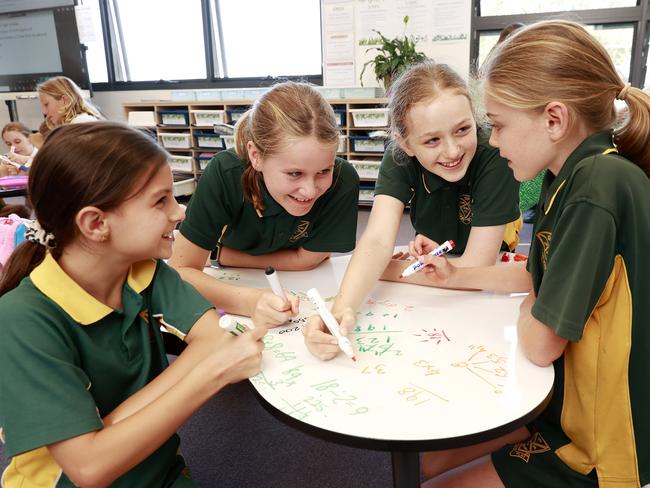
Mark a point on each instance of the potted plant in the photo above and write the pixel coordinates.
(393, 57)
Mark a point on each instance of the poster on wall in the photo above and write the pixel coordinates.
(441, 29)
(338, 43)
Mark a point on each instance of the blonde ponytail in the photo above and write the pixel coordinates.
(633, 138)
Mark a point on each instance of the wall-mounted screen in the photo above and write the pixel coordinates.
(38, 44)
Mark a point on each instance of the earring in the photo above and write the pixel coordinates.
(103, 237)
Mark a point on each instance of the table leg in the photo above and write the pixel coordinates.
(406, 469)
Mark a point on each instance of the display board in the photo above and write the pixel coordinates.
(431, 363)
(49, 37)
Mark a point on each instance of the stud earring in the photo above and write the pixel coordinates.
(103, 237)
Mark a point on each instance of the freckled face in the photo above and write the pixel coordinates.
(299, 174)
(442, 135)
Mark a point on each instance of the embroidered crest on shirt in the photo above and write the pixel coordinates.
(544, 238)
(465, 209)
(144, 315)
(301, 231)
(534, 445)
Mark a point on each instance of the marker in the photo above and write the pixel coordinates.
(443, 248)
(274, 281)
(508, 257)
(230, 324)
(9, 161)
(331, 323)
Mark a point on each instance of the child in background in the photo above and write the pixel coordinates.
(88, 397)
(62, 102)
(280, 198)
(457, 186)
(550, 91)
(21, 151)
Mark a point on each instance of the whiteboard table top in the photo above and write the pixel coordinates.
(435, 368)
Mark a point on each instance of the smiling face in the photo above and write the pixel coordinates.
(442, 135)
(298, 174)
(51, 107)
(521, 138)
(142, 226)
(18, 141)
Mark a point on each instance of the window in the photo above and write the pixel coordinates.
(512, 7)
(256, 46)
(617, 39)
(91, 34)
(198, 43)
(159, 39)
(620, 25)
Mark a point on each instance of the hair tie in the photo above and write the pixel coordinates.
(623, 93)
(36, 234)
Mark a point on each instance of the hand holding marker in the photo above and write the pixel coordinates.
(274, 282)
(331, 323)
(443, 248)
(230, 324)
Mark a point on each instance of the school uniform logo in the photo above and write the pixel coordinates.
(465, 209)
(300, 232)
(544, 238)
(534, 445)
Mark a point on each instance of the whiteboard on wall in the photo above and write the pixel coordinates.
(441, 29)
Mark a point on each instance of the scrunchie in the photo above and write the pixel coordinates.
(35, 233)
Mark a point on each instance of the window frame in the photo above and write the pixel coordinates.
(637, 16)
(213, 44)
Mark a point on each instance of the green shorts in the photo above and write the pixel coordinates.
(534, 463)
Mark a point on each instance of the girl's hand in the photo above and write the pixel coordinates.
(8, 170)
(400, 256)
(438, 269)
(271, 310)
(17, 158)
(238, 358)
(318, 339)
(421, 245)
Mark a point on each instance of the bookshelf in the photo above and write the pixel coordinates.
(182, 128)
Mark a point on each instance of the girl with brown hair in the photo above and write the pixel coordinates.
(88, 397)
(457, 187)
(549, 92)
(280, 198)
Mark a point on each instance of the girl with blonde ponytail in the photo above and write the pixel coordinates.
(280, 198)
(549, 93)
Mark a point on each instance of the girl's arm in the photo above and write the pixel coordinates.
(283, 260)
(482, 249)
(98, 458)
(540, 344)
(265, 308)
(373, 252)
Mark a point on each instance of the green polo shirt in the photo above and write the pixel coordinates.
(487, 195)
(590, 266)
(218, 205)
(67, 360)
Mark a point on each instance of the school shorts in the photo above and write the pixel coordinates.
(533, 463)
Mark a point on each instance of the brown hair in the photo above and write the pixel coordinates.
(560, 61)
(59, 86)
(420, 83)
(287, 111)
(16, 127)
(95, 164)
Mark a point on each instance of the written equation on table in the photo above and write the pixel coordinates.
(404, 359)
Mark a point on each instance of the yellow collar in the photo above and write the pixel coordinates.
(55, 283)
